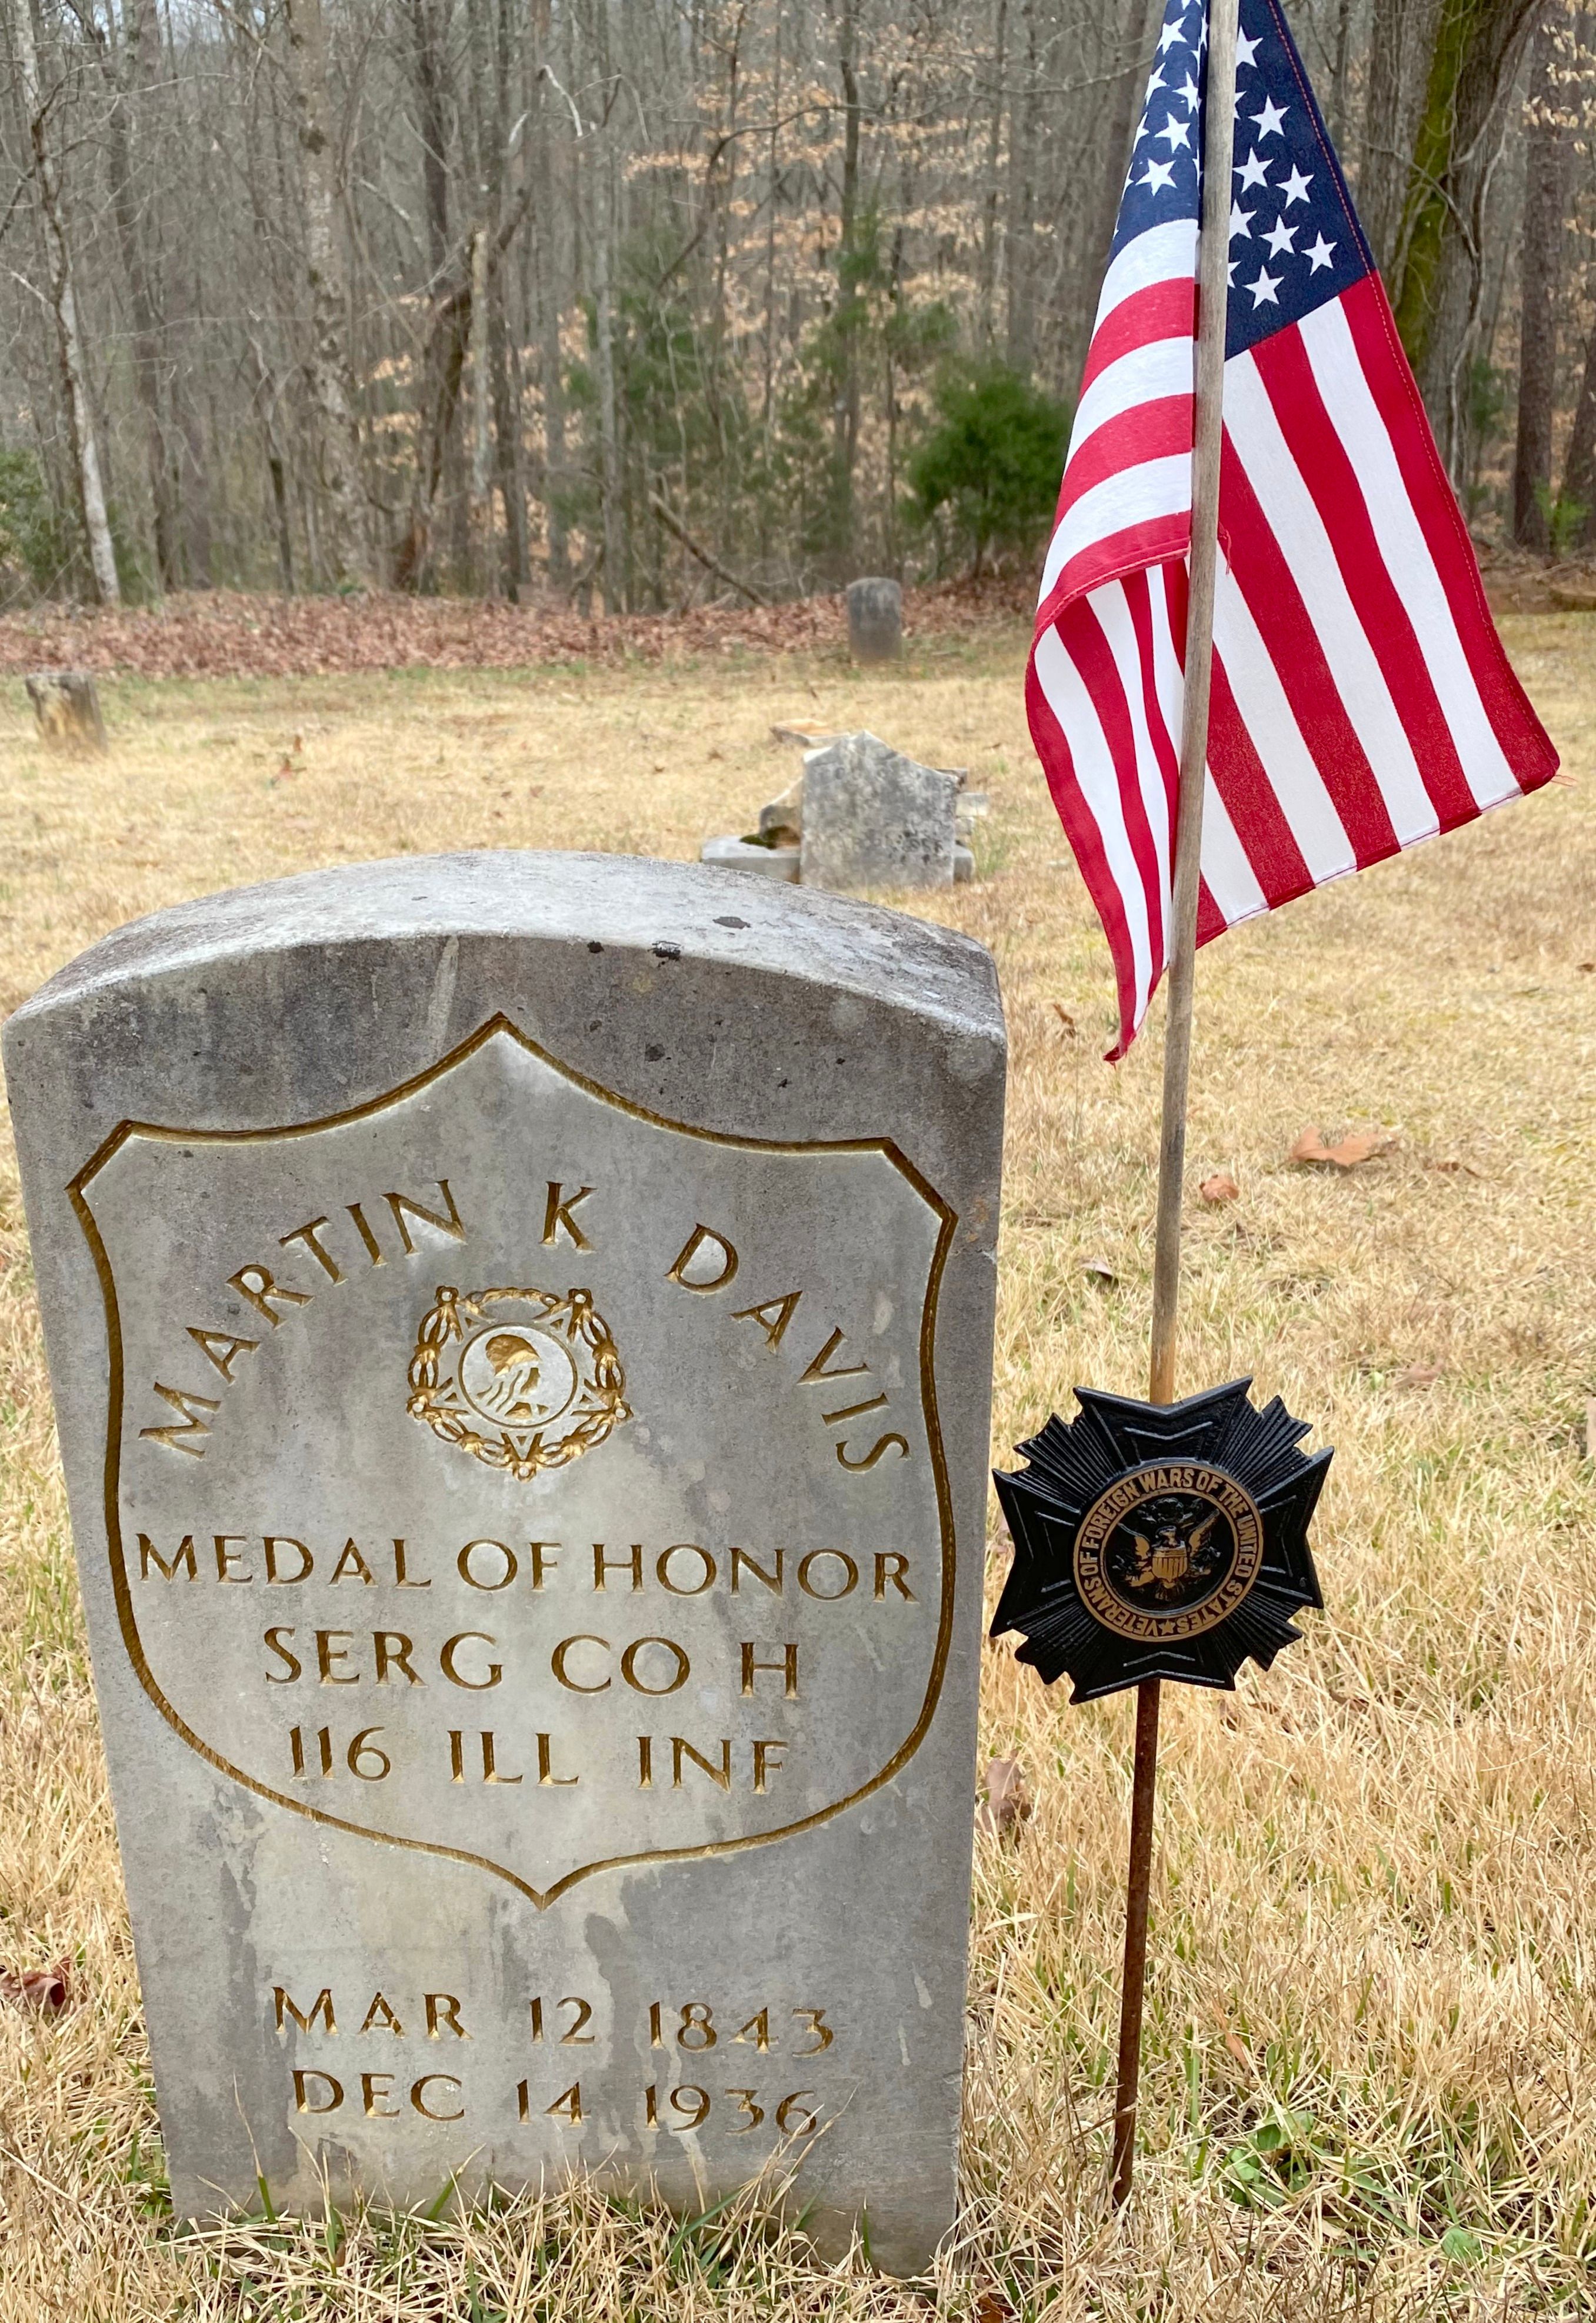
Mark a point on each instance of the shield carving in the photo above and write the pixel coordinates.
(502, 1471)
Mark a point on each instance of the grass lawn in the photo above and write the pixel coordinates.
(1369, 2084)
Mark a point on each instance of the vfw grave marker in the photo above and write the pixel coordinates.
(520, 1330)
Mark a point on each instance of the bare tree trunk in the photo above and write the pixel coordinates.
(615, 589)
(346, 532)
(91, 497)
(1544, 174)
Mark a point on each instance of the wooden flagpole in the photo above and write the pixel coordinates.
(1213, 293)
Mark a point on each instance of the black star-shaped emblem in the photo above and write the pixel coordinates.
(1160, 1540)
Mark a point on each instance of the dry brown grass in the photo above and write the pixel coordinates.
(1371, 2081)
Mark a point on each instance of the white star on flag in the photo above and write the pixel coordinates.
(1296, 186)
(1268, 121)
(1281, 237)
(1178, 133)
(1319, 254)
(1263, 289)
(1159, 174)
(1254, 170)
(1246, 50)
(1241, 222)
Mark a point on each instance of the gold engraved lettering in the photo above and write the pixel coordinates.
(443, 2008)
(740, 1556)
(850, 1571)
(370, 2093)
(542, 1562)
(222, 1544)
(261, 1287)
(823, 1367)
(491, 1773)
(327, 1653)
(678, 1589)
(182, 1554)
(788, 1665)
(295, 1666)
(307, 1235)
(321, 2006)
(464, 1563)
(472, 1684)
(568, 2102)
(603, 1564)
(557, 1213)
(457, 1755)
(697, 2029)
(756, 2112)
(380, 2018)
(545, 1773)
(302, 2102)
(373, 1247)
(764, 1763)
(645, 1762)
(221, 1348)
(688, 1254)
(558, 1664)
(758, 2030)
(427, 2081)
(271, 1544)
(446, 1221)
(576, 2038)
(720, 1776)
(536, 2008)
(890, 1566)
(393, 1650)
(852, 1410)
(352, 1561)
(628, 1666)
(815, 2022)
(177, 1439)
(772, 1315)
(882, 1444)
(401, 1579)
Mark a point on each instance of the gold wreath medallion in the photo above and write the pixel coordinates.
(522, 1380)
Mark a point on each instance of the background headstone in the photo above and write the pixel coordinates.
(67, 709)
(520, 1330)
(873, 818)
(730, 853)
(874, 620)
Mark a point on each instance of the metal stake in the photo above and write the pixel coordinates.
(1213, 293)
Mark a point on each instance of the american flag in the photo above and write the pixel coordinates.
(1361, 700)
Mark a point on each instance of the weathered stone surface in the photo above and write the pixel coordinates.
(730, 853)
(873, 818)
(520, 1330)
(874, 620)
(67, 709)
(783, 815)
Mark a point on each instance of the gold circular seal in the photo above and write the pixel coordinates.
(1171, 1550)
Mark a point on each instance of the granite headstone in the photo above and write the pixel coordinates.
(873, 818)
(520, 1331)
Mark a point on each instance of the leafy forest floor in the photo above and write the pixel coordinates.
(1370, 2078)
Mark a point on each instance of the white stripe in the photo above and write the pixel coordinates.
(1352, 412)
(1289, 511)
(1169, 678)
(1112, 607)
(1232, 881)
(1268, 717)
(1164, 367)
(1071, 705)
(1164, 253)
(1153, 488)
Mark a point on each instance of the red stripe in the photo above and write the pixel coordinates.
(1139, 598)
(1081, 830)
(1147, 431)
(1164, 310)
(1114, 558)
(1084, 641)
(1265, 580)
(1525, 742)
(1251, 800)
(1211, 920)
(1332, 480)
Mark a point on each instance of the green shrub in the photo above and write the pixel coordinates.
(989, 472)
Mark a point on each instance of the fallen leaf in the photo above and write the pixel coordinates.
(47, 1988)
(1099, 1270)
(1588, 967)
(992, 2306)
(1361, 1146)
(1066, 1019)
(1454, 1169)
(1418, 1375)
(1007, 1803)
(298, 741)
(287, 766)
(1220, 1188)
(1239, 2050)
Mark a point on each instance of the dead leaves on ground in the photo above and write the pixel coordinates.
(47, 1989)
(1221, 1187)
(1361, 1146)
(1006, 1807)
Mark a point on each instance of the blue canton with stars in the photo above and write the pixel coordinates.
(1294, 240)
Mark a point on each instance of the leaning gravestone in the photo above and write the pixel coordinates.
(873, 818)
(520, 1330)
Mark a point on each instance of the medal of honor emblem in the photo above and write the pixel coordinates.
(1160, 1540)
(522, 1380)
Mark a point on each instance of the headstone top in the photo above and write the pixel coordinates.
(873, 818)
(875, 619)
